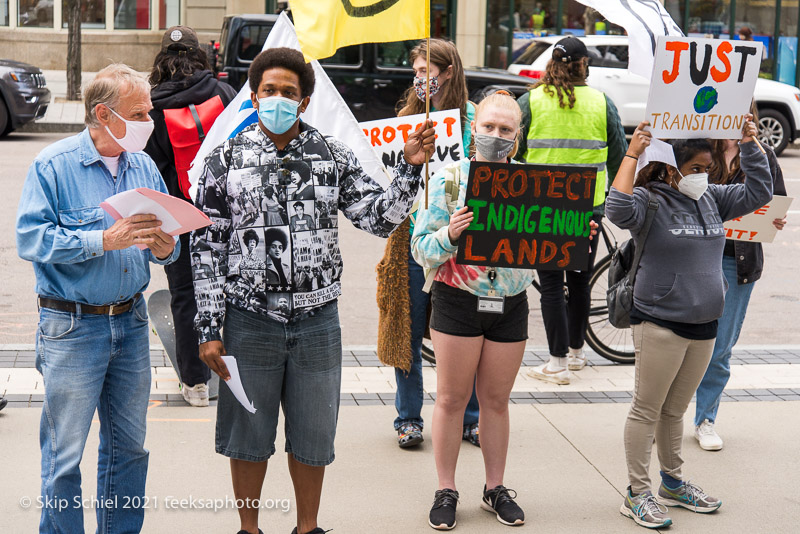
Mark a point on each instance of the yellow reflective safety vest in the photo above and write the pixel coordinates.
(576, 136)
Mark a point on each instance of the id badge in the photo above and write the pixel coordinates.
(491, 304)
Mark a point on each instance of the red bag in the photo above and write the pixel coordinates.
(187, 127)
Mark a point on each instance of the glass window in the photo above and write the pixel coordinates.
(93, 14)
(614, 57)
(251, 41)
(3, 12)
(441, 19)
(35, 13)
(132, 14)
(498, 27)
(168, 13)
(395, 54)
(348, 56)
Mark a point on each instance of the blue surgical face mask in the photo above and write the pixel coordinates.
(277, 113)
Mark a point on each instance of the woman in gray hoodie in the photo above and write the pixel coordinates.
(679, 294)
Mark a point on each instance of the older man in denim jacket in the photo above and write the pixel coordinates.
(92, 342)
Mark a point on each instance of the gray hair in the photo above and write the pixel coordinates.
(111, 85)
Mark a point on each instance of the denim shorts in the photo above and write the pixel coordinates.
(455, 312)
(297, 366)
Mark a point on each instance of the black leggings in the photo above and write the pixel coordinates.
(566, 319)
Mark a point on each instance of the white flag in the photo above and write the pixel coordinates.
(644, 20)
(327, 112)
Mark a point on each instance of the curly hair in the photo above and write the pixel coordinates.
(684, 150)
(174, 64)
(275, 234)
(286, 58)
(559, 79)
(250, 235)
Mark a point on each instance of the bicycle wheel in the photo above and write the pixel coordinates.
(427, 351)
(610, 342)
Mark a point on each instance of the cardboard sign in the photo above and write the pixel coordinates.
(757, 226)
(528, 216)
(702, 88)
(389, 136)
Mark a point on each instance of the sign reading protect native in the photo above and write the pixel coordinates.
(528, 216)
(702, 88)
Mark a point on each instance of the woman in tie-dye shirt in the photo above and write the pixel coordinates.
(468, 341)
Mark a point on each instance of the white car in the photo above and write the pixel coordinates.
(778, 103)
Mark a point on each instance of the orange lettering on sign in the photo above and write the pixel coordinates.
(468, 255)
(762, 211)
(723, 50)
(504, 248)
(482, 174)
(676, 47)
(449, 122)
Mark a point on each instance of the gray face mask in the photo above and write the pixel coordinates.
(493, 148)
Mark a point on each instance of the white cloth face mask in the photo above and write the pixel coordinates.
(136, 134)
(693, 185)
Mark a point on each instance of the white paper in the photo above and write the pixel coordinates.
(235, 384)
(132, 202)
(657, 151)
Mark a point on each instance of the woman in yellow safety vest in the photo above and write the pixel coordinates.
(567, 122)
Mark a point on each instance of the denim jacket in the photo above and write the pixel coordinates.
(60, 223)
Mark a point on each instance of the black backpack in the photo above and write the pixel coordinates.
(622, 272)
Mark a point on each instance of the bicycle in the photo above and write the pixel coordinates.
(611, 343)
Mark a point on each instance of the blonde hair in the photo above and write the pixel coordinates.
(502, 100)
(111, 85)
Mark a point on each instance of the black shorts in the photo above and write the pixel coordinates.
(455, 312)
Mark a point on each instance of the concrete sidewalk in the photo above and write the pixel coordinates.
(565, 461)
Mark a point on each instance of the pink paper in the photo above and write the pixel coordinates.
(177, 216)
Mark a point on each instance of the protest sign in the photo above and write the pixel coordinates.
(389, 136)
(702, 88)
(528, 216)
(757, 226)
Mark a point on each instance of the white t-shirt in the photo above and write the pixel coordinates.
(112, 164)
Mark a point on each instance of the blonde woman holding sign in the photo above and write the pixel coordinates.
(467, 341)
(679, 294)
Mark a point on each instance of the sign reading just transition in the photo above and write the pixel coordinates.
(528, 216)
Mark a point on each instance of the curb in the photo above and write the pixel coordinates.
(51, 127)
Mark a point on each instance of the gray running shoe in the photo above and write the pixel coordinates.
(690, 497)
(645, 510)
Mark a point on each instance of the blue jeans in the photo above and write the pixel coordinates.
(88, 363)
(730, 325)
(408, 399)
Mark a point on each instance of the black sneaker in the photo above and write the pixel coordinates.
(443, 511)
(246, 532)
(409, 435)
(499, 501)
(315, 531)
(470, 433)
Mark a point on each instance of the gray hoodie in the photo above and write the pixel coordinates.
(680, 275)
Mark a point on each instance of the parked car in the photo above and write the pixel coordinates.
(24, 95)
(778, 103)
(370, 77)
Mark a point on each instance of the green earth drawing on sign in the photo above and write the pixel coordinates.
(705, 99)
(367, 11)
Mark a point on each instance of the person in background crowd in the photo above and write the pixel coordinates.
(678, 297)
(400, 278)
(92, 343)
(742, 265)
(182, 76)
(287, 343)
(469, 342)
(566, 122)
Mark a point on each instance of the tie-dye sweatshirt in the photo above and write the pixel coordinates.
(432, 248)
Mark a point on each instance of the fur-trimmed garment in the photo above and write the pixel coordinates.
(394, 306)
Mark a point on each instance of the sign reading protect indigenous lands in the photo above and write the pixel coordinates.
(702, 88)
(528, 216)
(757, 226)
(389, 136)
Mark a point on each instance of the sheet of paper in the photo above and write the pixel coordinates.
(235, 384)
(176, 215)
(757, 226)
(657, 151)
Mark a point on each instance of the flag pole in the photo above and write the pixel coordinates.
(427, 104)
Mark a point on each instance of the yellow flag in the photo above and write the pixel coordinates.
(323, 26)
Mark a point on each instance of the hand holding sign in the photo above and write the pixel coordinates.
(640, 140)
(420, 144)
(459, 222)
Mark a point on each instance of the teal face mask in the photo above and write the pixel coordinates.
(277, 113)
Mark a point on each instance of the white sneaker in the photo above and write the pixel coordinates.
(542, 372)
(709, 440)
(576, 362)
(196, 395)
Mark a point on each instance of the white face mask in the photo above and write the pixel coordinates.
(693, 185)
(136, 134)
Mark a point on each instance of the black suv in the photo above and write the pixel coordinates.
(370, 77)
(23, 95)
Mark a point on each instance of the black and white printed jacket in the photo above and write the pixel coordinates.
(274, 242)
